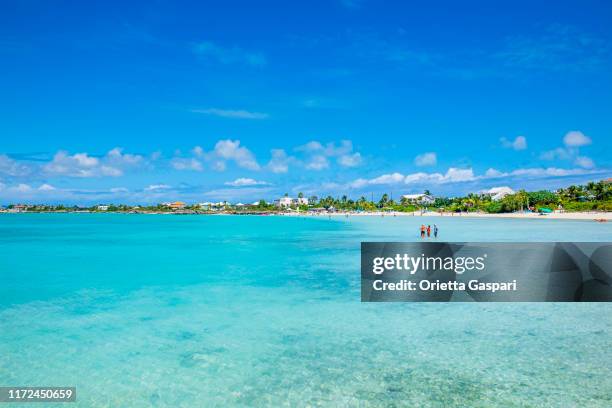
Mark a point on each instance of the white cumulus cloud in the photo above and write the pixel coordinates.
(317, 162)
(317, 154)
(572, 141)
(279, 163)
(22, 188)
(519, 143)
(231, 150)
(452, 175)
(492, 173)
(585, 162)
(46, 187)
(157, 187)
(112, 164)
(11, 167)
(426, 159)
(231, 113)
(244, 181)
(117, 157)
(547, 172)
(575, 138)
(559, 153)
(180, 163)
(224, 151)
(350, 160)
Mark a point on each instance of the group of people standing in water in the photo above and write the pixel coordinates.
(427, 230)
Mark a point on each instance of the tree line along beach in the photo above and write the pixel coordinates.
(590, 201)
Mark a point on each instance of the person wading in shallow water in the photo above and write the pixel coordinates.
(435, 231)
(422, 231)
(428, 231)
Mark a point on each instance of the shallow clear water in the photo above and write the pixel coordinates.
(151, 310)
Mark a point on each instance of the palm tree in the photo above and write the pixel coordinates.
(603, 190)
(591, 187)
(383, 200)
(573, 192)
(522, 198)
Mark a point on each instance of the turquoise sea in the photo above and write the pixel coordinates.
(204, 311)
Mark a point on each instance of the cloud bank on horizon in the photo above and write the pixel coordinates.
(29, 180)
(179, 107)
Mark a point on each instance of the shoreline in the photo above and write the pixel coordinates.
(591, 216)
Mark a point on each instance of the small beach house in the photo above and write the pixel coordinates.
(300, 201)
(18, 208)
(288, 201)
(283, 202)
(177, 205)
(497, 193)
(221, 205)
(422, 199)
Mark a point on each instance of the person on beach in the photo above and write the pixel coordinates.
(422, 231)
(435, 231)
(428, 231)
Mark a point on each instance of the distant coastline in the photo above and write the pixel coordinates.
(578, 202)
(590, 215)
(601, 216)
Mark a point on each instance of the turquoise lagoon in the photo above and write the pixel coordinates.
(201, 311)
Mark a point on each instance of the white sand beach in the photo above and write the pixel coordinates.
(595, 215)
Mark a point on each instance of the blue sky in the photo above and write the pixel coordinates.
(153, 101)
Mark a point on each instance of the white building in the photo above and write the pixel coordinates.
(283, 202)
(419, 198)
(497, 193)
(288, 201)
(103, 208)
(18, 208)
(300, 201)
(208, 206)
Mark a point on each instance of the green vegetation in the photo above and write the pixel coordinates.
(594, 196)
